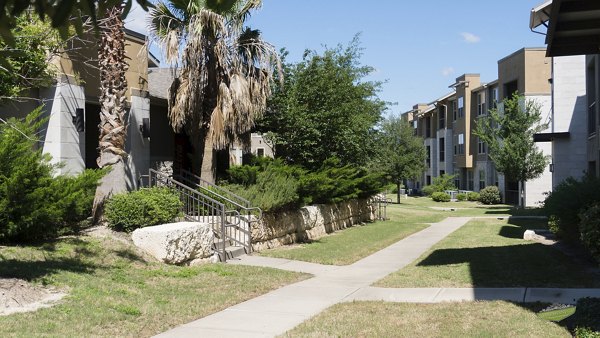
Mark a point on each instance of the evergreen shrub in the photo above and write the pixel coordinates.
(461, 197)
(490, 195)
(35, 205)
(142, 208)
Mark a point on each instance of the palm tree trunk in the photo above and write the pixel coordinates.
(208, 161)
(113, 87)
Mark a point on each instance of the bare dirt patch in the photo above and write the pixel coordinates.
(17, 295)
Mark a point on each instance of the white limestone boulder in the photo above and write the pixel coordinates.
(176, 243)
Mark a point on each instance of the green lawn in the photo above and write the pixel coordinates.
(492, 253)
(112, 292)
(475, 319)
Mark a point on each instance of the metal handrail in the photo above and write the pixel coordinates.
(198, 182)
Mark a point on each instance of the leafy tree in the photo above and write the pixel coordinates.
(27, 60)
(62, 13)
(508, 131)
(324, 109)
(215, 101)
(402, 153)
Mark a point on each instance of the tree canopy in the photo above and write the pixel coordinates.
(508, 132)
(402, 154)
(324, 109)
(27, 61)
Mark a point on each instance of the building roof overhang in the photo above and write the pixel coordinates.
(573, 26)
(549, 137)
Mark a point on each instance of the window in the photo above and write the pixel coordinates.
(511, 88)
(470, 180)
(493, 98)
(461, 107)
(457, 179)
(459, 148)
(428, 180)
(428, 126)
(481, 179)
(442, 172)
(442, 116)
(480, 104)
(591, 169)
(260, 152)
(428, 156)
(442, 146)
(454, 110)
(480, 146)
(415, 127)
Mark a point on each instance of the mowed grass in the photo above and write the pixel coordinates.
(474, 319)
(492, 253)
(112, 292)
(350, 245)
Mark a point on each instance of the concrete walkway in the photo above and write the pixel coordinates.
(281, 310)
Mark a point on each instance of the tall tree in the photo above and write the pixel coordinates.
(508, 132)
(402, 154)
(113, 87)
(225, 76)
(325, 109)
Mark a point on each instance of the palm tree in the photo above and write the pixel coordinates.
(113, 87)
(225, 72)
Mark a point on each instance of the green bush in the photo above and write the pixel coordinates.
(590, 230)
(141, 208)
(242, 175)
(587, 316)
(473, 196)
(461, 197)
(564, 204)
(585, 332)
(440, 197)
(35, 205)
(276, 188)
(428, 190)
(490, 195)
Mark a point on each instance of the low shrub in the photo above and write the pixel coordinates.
(590, 230)
(473, 196)
(585, 332)
(440, 197)
(428, 190)
(565, 203)
(461, 197)
(242, 174)
(141, 208)
(490, 195)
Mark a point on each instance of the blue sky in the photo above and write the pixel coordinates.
(417, 47)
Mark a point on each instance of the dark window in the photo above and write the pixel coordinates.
(592, 169)
(442, 147)
(428, 126)
(454, 110)
(260, 152)
(442, 116)
(442, 172)
(510, 88)
(428, 179)
(428, 156)
(592, 119)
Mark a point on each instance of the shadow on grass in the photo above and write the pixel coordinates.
(528, 265)
(503, 210)
(512, 231)
(30, 270)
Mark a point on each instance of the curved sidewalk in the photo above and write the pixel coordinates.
(281, 310)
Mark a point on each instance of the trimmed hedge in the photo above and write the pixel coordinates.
(440, 197)
(461, 197)
(142, 208)
(490, 195)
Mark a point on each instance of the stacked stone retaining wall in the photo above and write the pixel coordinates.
(309, 223)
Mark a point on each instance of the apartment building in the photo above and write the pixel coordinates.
(447, 125)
